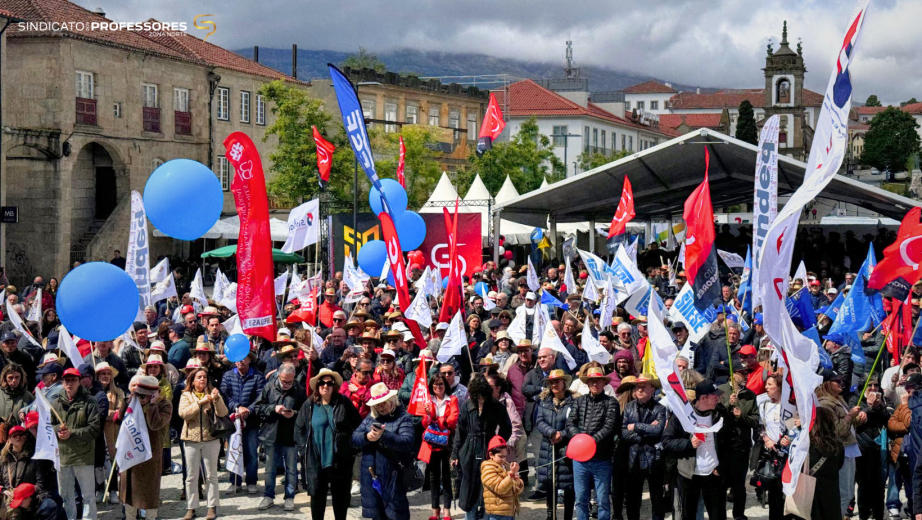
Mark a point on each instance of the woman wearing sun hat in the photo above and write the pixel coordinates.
(551, 421)
(139, 487)
(156, 367)
(323, 433)
(205, 352)
(105, 374)
(386, 439)
(387, 371)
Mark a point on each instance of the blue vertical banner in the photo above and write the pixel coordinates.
(861, 308)
(744, 295)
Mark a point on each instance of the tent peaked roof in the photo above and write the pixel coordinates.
(507, 192)
(444, 192)
(478, 190)
(543, 183)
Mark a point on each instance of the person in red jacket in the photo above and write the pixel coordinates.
(756, 374)
(358, 388)
(329, 308)
(440, 422)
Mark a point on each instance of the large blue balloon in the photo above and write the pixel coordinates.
(481, 288)
(236, 347)
(411, 229)
(183, 199)
(97, 301)
(445, 283)
(396, 197)
(372, 257)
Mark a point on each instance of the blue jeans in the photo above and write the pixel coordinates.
(586, 475)
(472, 514)
(290, 455)
(500, 517)
(894, 480)
(250, 441)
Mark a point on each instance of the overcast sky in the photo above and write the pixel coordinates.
(696, 42)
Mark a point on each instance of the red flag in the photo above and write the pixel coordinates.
(307, 312)
(895, 275)
(255, 278)
(492, 126)
(625, 211)
(891, 329)
(452, 303)
(325, 151)
(400, 164)
(420, 395)
(399, 270)
(700, 252)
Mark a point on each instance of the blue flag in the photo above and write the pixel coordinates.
(814, 336)
(856, 313)
(744, 295)
(548, 299)
(877, 300)
(354, 122)
(801, 309)
(833, 310)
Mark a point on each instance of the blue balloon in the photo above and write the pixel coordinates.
(396, 197)
(372, 257)
(183, 199)
(95, 287)
(481, 288)
(236, 347)
(445, 283)
(411, 230)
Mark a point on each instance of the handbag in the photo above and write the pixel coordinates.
(435, 436)
(410, 473)
(221, 427)
(801, 502)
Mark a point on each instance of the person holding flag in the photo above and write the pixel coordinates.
(76, 421)
(139, 485)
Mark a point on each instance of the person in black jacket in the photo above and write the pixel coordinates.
(842, 364)
(551, 423)
(642, 429)
(868, 466)
(736, 448)
(331, 432)
(698, 463)
(598, 415)
(481, 418)
(719, 365)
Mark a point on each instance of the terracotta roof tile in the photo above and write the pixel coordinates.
(870, 110)
(731, 98)
(692, 120)
(650, 87)
(7, 14)
(913, 108)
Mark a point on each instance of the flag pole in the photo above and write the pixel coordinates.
(883, 347)
(109, 480)
(729, 353)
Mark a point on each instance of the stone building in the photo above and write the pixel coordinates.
(89, 114)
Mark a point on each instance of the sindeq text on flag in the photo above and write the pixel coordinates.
(764, 198)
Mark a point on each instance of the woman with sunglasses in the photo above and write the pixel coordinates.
(388, 372)
(323, 435)
(18, 467)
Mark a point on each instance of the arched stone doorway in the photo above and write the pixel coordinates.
(98, 182)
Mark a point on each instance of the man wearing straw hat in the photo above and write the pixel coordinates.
(139, 487)
(75, 419)
(102, 351)
(642, 429)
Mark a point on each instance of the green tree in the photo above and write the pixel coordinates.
(891, 141)
(294, 162)
(421, 161)
(872, 101)
(528, 158)
(364, 60)
(746, 130)
(592, 161)
(911, 101)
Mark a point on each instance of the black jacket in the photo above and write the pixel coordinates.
(737, 431)
(868, 432)
(677, 444)
(642, 440)
(345, 419)
(550, 419)
(600, 417)
(470, 446)
(272, 396)
(533, 384)
(843, 365)
(718, 366)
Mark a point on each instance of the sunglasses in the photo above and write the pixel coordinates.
(339, 319)
(367, 372)
(448, 373)
(387, 360)
(326, 382)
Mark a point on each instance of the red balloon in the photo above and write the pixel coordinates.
(507, 255)
(581, 447)
(502, 240)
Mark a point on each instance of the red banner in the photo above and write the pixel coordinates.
(399, 270)
(453, 301)
(625, 211)
(420, 395)
(435, 247)
(400, 164)
(255, 270)
(325, 151)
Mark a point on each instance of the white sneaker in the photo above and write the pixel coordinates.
(356, 488)
(231, 489)
(251, 489)
(113, 497)
(894, 513)
(265, 503)
(289, 504)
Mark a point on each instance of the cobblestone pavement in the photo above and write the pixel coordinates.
(243, 507)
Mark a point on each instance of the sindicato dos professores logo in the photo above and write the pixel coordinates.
(205, 24)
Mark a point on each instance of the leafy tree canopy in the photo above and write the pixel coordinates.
(891, 141)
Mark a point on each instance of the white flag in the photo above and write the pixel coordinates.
(590, 292)
(550, 339)
(232, 325)
(632, 250)
(732, 260)
(434, 285)
(280, 283)
(569, 281)
(356, 294)
(626, 274)
(234, 462)
(303, 226)
(420, 284)
(532, 277)
(488, 304)
(159, 272)
(683, 309)
(801, 273)
(164, 289)
(16, 320)
(681, 258)
(220, 283)
(384, 270)
(316, 340)
(765, 203)
(35, 308)
(609, 304)
(517, 328)
(592, 346)
(455, 339)
(197, 292)
(69, 348)
(540, 320)
(295, 287)
(230, 297)
(664, 355)
(132, 447)
(419, 310)
(137, 258)
(46, 440)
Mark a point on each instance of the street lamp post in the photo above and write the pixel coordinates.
(565, 141)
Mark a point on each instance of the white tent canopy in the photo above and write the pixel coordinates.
(444, 192)
(229, 229)
(477, 197)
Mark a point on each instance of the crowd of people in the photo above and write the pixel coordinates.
(330, 417)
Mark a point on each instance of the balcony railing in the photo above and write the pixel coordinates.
(86, 111)
(183, 123)
(152, 120)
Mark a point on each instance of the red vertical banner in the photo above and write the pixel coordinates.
(401, 164)
(452, 301)
(399, 270)
(255, 270)
(420, 395)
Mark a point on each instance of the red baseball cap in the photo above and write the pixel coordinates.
(22, 492)
(17, 429)
(747, 350)
(496, 442)
(815, 283)
(186, 309)
(72, 372)
(31, 420)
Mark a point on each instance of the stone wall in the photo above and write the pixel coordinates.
(114, 235)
